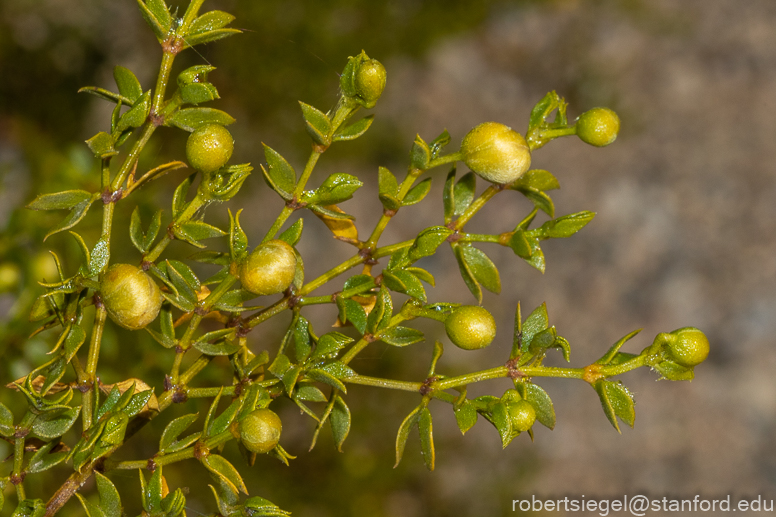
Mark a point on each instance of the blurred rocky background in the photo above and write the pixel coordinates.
(685, 232)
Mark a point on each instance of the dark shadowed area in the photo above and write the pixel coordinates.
(685, 232)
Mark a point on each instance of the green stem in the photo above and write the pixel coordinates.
(385, 251)
(161, 82)
(449, 158)
(91, 365)
(385, 383)
(478, 237)
(267, 313)
(330, 274)
(314, 300)
(363, 342)
(129, 162)
(18, 458)
(287, 211)
(476, 206)
(406, 185)
(191, 209)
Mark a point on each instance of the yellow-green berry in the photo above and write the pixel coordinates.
(522, 414)
(496, 153)
(269, 269)
(260, 430)
(598, 127)
(130, 296)
(369, 81)
(470, 327)
(209, 148)
(688, 346)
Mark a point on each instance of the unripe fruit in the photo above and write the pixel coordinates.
(688, 347)
(598, 127)
(130, 296)
(260, 430)
(269, 269)
(496, 153)
(470, 327)
(369, 81)
(522, 414)
(209, 148)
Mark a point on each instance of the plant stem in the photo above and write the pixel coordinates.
(287, 210)
(385, 383)
(91, 365)
(406, 185)
(191, 209)
(18, 458)
(476, 206)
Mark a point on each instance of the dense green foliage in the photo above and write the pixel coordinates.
(204, 322)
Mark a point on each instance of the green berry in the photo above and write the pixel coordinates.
(688, 346)
(369, 81)
(598, 127)
(496, 153)
(209, 148)
(470, 327)
(269, 269)
(260, 430)
(522, 414)
(130, 296)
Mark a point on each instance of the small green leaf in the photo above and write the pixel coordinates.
(358, 284)
(340, 420)
(427, 241)
(401, 336)
(545, 411)
(330, 344)
(128, 84)
(537, 255)
(482, 268)
(417, 193)
(448, 196)
(499, 417)
(293, 233)
(110, 502)
(615, 348)
(210, 21)
(222, 422)
(335, 189)
(567, 225)
(536, 322)
(426, 431)
(403, 281)
(536, 179)
(439, 143)
(157, 16)
(354, 130)
(190, 119)
(463, 193)
(174, 429)
(69, 199)
(381, 313)
(309, 393)
(197, 93)
(541, 200)
(420, 154)
(674, 372)
(215, 343)
(281, 176)
(208, 37)
(352, 311)
(465, 416)
(520, 245)
(466, 273)
(225, 473)
(317, 124)
(387, 183)
(101, 145)
(48, 426)
(179, 196)
(6, 421)
(616, 401)
(198, 230)
(43, 459)
(404, 433)
(138, 402)
(137, 114)
(106, 95)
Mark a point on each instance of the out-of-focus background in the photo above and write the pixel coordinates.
(685, 232)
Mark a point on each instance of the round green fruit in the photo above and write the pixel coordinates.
(598, 127)
(260, 430)
(470, 327)
(130, 296)
(496, 153)
(522, 414)
(688, 347)
(209, 148)
(269, 269)
(369, 81)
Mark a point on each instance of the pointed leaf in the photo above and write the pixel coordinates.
(483, 269)
(426, 431)
(190, 119)
(536, 179)
(404, 433)
(340, 420)
(317, 124)
(401, 336)
(467, 274)
(417, 193)
(280, 171)
(567, 225)
(225, 473)
(293, 233)
(128, 84)
(463, 193)
(465, 416)
(354, 130)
